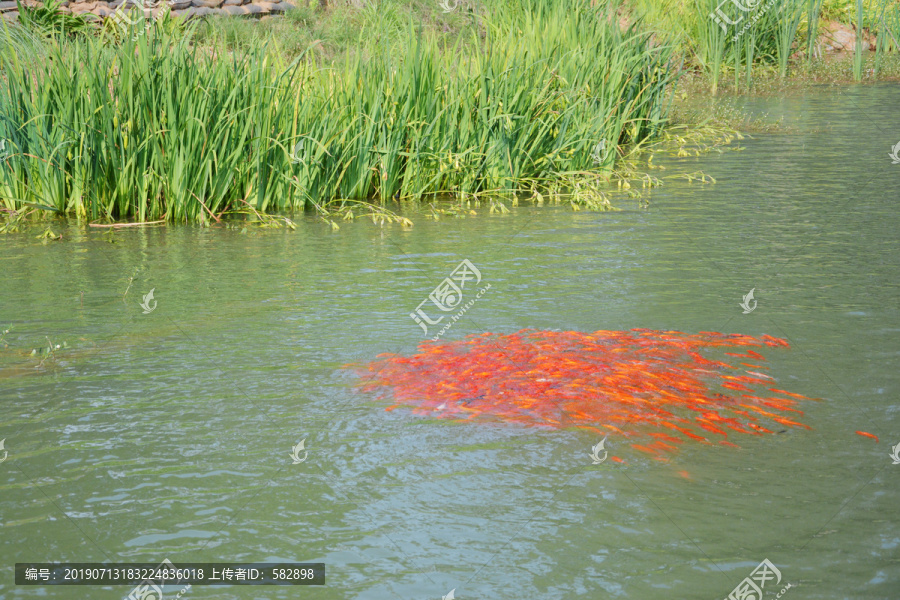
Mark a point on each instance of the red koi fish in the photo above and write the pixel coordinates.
(657, 389)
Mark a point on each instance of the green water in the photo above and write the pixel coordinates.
(169, 434)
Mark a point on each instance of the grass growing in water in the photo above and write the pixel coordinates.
(717, 37)
(155, 130)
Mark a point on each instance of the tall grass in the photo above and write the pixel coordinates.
(890, 24)
(711, 40)
(19, 47)
(888, 38)
(858, 59)
(741, 37)
(733, 35)
(157, 129)
(790, 13)
(813, 11)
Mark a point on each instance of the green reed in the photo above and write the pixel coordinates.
(858, 59)
(712, 41)
(790, 13)
(813, 10)
(159, 129)
(888, 26)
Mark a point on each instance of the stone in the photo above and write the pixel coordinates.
(843, 40)
(199, 11)
(83, 7)
(836, 37)
(155, 8)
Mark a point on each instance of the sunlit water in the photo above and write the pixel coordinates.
(169, 434)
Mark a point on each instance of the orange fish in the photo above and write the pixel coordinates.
(777, 391)
(628, 383)
(871, 435)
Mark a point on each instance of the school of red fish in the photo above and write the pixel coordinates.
(654, 388)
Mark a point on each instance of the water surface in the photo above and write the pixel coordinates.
(169, 434)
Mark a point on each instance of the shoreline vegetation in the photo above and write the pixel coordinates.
(200, 122)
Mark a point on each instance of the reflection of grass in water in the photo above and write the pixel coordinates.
(697, 112)
(25, 354)
(23, 361)
(692, 104)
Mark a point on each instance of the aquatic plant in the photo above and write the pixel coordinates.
(813, 11)
(790, 13)
(19, 47)
(717, 37)
(888, 38)
(47, 19)
(653, 388)
(131, 21)
(710, 39)
(860, 40)
(157, 129)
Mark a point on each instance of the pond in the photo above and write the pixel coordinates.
(169, 433)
